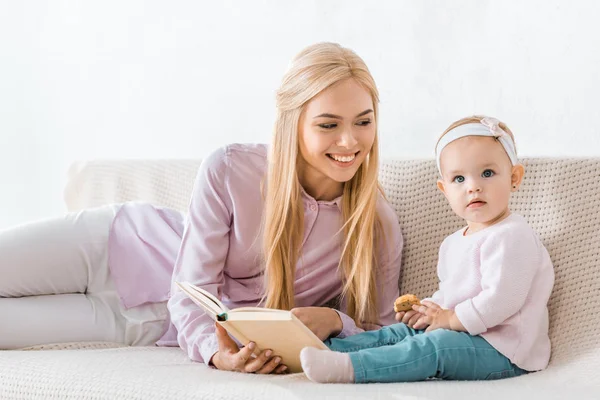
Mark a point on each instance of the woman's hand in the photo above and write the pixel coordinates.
(409, 318)
(323, 321)
(231, 358)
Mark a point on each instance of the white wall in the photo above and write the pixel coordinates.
(175, 79)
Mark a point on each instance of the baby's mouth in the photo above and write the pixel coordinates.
(476, 203)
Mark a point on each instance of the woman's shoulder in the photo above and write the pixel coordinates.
(237, 155)
(232, 169)
(234, 163)
(246, 151)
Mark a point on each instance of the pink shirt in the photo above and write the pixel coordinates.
(498, 281)
(220, 250)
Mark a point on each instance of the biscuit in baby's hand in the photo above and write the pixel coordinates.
(405, 302)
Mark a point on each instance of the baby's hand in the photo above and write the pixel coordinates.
(435, 317)
(409, 318)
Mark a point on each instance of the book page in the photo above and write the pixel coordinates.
(247, 314)
(258, 310)
(208, 295)
(200, 299)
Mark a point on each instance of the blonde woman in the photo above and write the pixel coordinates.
(300, 224)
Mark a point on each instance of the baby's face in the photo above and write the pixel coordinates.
(477, 179)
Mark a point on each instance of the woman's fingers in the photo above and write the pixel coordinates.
(254, 364)
(282, 369)
(242, 356)
(226, 343)
(228, 349)
(269, 366)
(236, 359)
(265, 363)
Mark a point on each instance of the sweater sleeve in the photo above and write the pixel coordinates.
(438, 296)
(202, 256)
(509, 262)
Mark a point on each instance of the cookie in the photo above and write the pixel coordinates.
(405, 302)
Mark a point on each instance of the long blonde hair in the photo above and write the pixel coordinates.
(313, 70)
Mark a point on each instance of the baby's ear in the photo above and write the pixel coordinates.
(440, 186)
(518, 172)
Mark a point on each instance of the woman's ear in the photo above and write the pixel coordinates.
(518, 172)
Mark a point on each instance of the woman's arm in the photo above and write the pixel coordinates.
(201, 257)
(201, 261)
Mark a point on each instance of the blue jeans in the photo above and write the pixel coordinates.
(397, 353)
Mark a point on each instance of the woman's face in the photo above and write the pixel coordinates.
(336, 132)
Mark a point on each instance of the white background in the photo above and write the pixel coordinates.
(176, 79)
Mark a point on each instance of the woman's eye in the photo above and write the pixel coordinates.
(488, 173)
(327, 126)
(364, 123)
(458, 179)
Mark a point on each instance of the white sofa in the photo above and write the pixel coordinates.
(559, 197)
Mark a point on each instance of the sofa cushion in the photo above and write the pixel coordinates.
(148, 373)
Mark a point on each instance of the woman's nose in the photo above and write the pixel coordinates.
(347, 139)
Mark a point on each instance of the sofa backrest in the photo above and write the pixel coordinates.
(559, 197)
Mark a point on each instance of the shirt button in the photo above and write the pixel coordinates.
(313, 207)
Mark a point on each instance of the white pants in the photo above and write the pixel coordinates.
(55, 286)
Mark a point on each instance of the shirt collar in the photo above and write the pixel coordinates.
(307, 198)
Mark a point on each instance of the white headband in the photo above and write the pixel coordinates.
(488, 127)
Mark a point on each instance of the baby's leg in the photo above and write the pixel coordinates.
(336, 366)
(387, 335)
(439, 354)
(55, 284)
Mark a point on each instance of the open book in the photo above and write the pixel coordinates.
(278, 330)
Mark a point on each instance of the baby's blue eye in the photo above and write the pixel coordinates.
(458, 179)
(488, 173)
